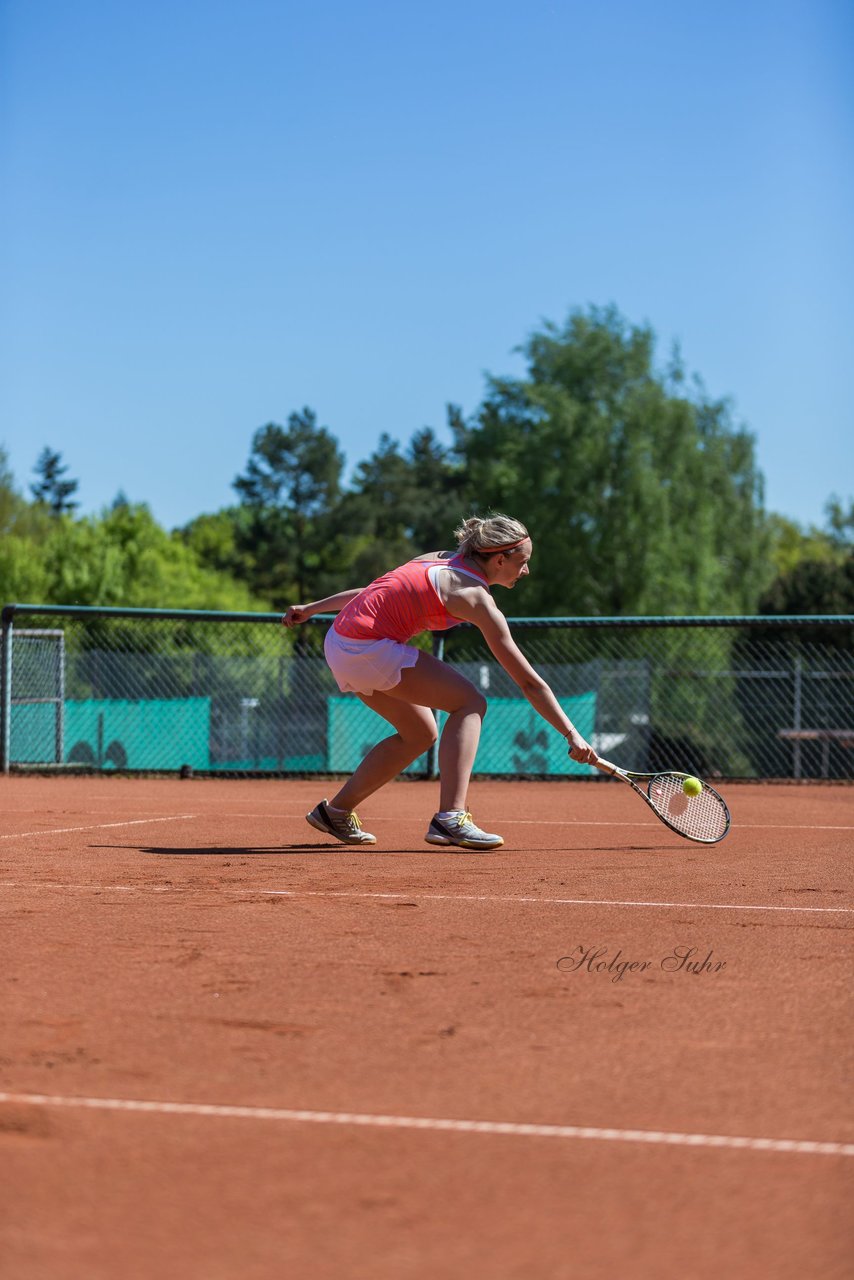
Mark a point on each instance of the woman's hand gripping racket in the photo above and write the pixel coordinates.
(703, 817)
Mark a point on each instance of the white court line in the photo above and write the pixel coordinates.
(650, 1136)
(432, 897)
(97, 826)
(557, 902)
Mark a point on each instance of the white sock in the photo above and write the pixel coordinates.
(445, 814)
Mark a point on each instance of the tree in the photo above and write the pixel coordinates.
(372, 525)
(814, 567)
(289, 489)
(402, 503)
(124, 557)
(51, 489)
(443, 491)
(840, 525)
(220, 539)
(641, 498)
(11, 502)
(23, 526)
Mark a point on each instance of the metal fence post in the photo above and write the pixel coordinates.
(6, 689)
(796, 716)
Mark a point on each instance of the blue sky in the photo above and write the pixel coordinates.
(216, 213)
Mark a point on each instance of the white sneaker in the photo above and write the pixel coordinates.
(459, 829)
(345, 827)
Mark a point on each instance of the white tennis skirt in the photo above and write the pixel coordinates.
(367, 666)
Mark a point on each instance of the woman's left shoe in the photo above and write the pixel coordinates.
(345, 827)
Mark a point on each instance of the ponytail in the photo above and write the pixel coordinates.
(488, 535)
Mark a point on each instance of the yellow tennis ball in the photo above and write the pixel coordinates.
(692, 786)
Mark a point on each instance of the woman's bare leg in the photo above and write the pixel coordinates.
(429, 683)
(416, 732)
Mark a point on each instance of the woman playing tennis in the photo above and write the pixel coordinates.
(369, 654)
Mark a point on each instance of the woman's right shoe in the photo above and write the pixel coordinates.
(459, 829)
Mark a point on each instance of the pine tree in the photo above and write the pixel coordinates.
(51, 489)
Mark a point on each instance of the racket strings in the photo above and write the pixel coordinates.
(702, 817)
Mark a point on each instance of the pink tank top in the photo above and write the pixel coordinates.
(401, 604)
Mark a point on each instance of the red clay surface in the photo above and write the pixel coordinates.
(196, 942)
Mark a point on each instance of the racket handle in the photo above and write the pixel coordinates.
(607, 767)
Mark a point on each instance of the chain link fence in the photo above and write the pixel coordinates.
(230, 694)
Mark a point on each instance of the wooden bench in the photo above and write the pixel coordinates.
(844, 737)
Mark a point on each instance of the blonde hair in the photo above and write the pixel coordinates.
(487, 535)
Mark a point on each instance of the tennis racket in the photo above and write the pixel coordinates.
(704, 818)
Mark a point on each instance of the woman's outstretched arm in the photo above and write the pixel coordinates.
(298, 613)
(477, 606)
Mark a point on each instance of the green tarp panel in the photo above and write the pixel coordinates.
(153, 733)
(111, 733)
(515, 739)
(272, 764)
(34, 732)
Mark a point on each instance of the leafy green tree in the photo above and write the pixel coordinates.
(840, 524)
(125, 558)
(372, 520)
(289, 489)
(402, 503)
(221, 541)
(122, 557)
(443, 492)
(814, 567)
(51, 488)
(10, 500)
(23, 525)
(813, 586)
(642, 497)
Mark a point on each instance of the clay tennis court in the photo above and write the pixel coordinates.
(232, 1048)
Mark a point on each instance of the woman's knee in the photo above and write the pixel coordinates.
(420, 736)
(470, 702)
(476, 703)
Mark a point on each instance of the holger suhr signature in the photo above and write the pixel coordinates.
(680, 959)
